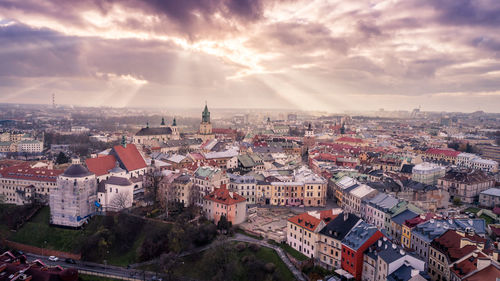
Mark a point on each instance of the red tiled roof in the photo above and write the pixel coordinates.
(224, 196)
(101, 165)
(449, 244)
(130, 157)
(223, 131)
(466, 266)
(306, 221)
(445, 152)
(418, 220)
(24, 172)
(488, 273)
(349, 139)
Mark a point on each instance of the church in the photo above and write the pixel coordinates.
(205, 133)
(153, 136)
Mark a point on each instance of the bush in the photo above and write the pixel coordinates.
(254, 247)
(270, 267)
(241, 246)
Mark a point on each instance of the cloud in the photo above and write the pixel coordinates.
(254, 52)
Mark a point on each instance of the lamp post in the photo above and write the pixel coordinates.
(43, 248)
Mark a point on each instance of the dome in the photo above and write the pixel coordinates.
(76, 171)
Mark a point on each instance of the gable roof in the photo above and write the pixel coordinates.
(339, 227)
(224, 196)
(154, 131)
(130, 157)
(306, 221)
(358, 236)
(403, 216)
(101, 165)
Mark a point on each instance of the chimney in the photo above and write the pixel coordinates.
(402, 252)
(346, 216)
(379, 243)
(414, 272)
(394, 246)
(482, 263)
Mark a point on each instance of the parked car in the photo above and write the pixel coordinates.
(53, 258)
(71, 261)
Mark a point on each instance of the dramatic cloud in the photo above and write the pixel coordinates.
(312, 55)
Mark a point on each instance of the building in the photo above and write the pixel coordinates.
(397, 223)
(490, 197)
(448, 156)
(309, 139)
(115, 194)
(449, 250)
(423, 234)
(373, 210)
(18, 268)
(466, 185)
(490, 152)
(128, 157)
(222, 202)
(205, 133)
(157, 135)
(383, 258)
(330, 239)
(205, 180)
(473, 161)
(302, 230)
(352, 199)
(408, 226)
(30, 146)
(22, 184)
(244, 186)
(354, 246)
(427, 173)
(182, 188)
(73, 200)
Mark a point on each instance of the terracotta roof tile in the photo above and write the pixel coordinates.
(130, 157)
(224, 196)
(101, 165)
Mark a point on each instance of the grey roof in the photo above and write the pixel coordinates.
(154, 131)
(431, 229)
(76, 171)
(492, 192)
(403, 216)
(359, 235)
(339, 227)
(383, 201)
(117, 169)
(120, 181)
(241, 179)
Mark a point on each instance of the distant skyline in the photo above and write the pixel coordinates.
(333, 56)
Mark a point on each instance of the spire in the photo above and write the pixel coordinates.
(309, 128)
(124, 141)
(147, 124)
(174, 123)
(205, 116)
(162, 121)
(268, 119)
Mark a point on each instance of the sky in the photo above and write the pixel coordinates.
(334, 56)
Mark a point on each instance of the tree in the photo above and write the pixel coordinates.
(62, 158)
(120, 201)
(153, 180)
(224, 225)
(194, 194)
(457, 201)
(168, 263)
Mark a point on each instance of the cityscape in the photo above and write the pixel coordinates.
(247, 140)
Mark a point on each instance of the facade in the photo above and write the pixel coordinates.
(155, 136)
(449, 249)
(330, 239)
(244, 186)
(373, 210)
(490, 197)
(355, 244)
(397, 223)
(115, 194)
(302, 231)
(73, 200)
(427, 173)
(182, 187)
(423, 234)
(21, 184)
(466, 185)
(490, 152)
(205, 180)
(352, 199)
(449, 156)
(473, 161)
(30, 146)
(224, 202)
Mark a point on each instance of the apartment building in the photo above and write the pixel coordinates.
(222, 202)
(466, 185)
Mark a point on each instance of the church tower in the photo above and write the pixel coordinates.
(175, 131)
(205, 125)
(309, 139)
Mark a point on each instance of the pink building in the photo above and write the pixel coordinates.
(224, 202)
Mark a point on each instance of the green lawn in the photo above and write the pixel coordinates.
(294, 253)
(487, 219)
(472, 210)
(38, 232)
(266, 255)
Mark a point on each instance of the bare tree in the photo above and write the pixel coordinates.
(153, 180)
(120, 201)
(194, 194)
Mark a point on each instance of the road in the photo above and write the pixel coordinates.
(115, 271)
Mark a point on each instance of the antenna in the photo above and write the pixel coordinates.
(53, 100)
